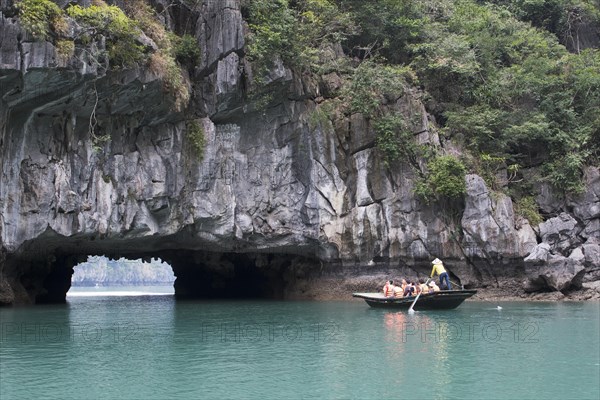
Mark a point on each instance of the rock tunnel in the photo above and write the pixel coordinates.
(42, 273)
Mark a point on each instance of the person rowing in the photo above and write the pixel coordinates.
(438, 269)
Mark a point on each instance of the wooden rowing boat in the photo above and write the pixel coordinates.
(442, 300)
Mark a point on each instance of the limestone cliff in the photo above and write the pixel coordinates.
(277, 206)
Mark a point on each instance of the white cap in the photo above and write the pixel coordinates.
(436, 261)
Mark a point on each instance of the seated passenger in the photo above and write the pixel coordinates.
(398, 292)
(409, 290)
(433, 287)
(417, 287)
(423, 286)
(388, 289)
(403, 284)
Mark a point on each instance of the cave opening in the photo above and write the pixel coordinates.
(229, 275)
(121, 276)
(193, 274)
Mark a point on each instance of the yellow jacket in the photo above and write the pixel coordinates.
(438, 269)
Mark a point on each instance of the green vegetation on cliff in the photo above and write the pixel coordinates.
(196, 137)
(294, 32)
(120, 31)
(445, 179)
(40, 17)
(516, 83)
(124, 33)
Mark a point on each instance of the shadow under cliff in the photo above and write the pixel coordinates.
(42, 272)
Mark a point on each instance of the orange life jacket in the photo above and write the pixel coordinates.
(388, 290)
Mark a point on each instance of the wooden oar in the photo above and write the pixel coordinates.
(410, 310)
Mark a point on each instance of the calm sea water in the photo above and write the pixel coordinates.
(151, 347)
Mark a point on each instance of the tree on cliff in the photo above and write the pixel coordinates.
(496, 74)
(516, 83)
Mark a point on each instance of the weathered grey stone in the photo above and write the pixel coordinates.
(64, 3)
(332, 83)
(560, 232)
(591, 251)
(363, 197)
(587, 206)
(592, 229)
(595, 286)
(361, 136)
(6, 5)
(549, 201)
(10, 60)
(577, 255)
(559, 273)
(539, 255)
(38, 55)
(220, 30)
(488, 223)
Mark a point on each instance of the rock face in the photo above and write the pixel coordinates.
(277, 206)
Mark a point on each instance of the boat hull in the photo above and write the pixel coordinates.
(442, 300)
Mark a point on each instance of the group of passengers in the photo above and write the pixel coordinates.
(409, 288)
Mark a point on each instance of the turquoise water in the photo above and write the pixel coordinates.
(151, 347)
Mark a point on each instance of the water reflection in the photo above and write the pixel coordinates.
(402, 327)
(426, 340)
